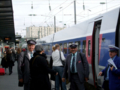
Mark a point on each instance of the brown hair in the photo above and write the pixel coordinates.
(19, 50)
(55, 47)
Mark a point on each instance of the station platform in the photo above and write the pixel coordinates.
(10, 82)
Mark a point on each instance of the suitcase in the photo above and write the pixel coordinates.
(2, 71)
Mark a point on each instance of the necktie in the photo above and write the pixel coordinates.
(73, 63)
(31, 54)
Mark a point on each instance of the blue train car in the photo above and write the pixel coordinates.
(92, 37)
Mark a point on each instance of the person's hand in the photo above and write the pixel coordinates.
(20, 80)
(100, 74)
(111, 68)
(63, 79)
(57, 73)
(86, 79)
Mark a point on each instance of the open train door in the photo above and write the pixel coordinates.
(95, 53)
(117, 38)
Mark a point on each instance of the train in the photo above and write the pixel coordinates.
(92, 37)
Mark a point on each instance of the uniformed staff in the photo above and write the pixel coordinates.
(23, 62)
(112, 74)
(77, 68)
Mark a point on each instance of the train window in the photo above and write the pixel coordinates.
(48, 48)
(78, 45)
(61, 47)
(65, 48)
(69, 47)
(89, 45)
(84, 47)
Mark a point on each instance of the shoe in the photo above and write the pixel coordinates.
(10, 73)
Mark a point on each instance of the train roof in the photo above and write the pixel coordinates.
(85, 28)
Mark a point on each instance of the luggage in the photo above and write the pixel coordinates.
(2, 71)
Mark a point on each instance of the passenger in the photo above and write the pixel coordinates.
(110, 73)
(58, 67)
(18, 53)
(77, 68)
(39, 71)
(4, 62)
(10, 60)
(23, 65)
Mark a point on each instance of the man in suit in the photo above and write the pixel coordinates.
(24, 75)
(77, 68)
(110, 73)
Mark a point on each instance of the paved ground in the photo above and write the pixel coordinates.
(10, 82)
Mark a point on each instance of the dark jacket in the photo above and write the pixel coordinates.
(114, 75)
(10, 60)
(4, 62)
(39, 73)
(82, 67)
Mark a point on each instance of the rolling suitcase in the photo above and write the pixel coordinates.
(2, 71)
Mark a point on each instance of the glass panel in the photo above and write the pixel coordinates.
(84, 47)
(65, 48)
(78, 45)
(89, 45)
(61, 47)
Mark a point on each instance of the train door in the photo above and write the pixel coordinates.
(95, 52)
(117, 39)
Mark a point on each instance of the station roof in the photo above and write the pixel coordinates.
(7, 20)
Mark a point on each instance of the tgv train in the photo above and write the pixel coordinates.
(92, 37)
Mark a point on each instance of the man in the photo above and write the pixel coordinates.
(24, 75)
(77, 68)
(112, 74)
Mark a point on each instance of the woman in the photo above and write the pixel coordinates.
(18, 53)
(57, 55)
(10, 61)
(39, 71)
(4, 61)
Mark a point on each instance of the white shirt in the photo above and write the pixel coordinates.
(56, 58)
(29, 54)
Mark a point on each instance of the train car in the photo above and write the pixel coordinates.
(92, 37)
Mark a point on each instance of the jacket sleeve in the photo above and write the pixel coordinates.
(20, 60)
(117, 71)
(62, 56)
(65, 68)
(86, 66)
(46, 68)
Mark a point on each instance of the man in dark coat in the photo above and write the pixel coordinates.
(24, 58)
(77, 68)
(112, 73)
(39, 71)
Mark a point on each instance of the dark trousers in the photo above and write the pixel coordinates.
(58, 78)
(27, 86)
(75, 83)
(10, 69)
(106, 85)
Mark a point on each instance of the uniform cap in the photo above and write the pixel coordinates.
(31, 42)
(113, 48)
(73, 46)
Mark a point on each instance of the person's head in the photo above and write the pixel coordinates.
(19, 50)
(9, 51)
(113, 51)
(31, 45)
(55, 47)
(73, 48)
(4, 52)
(39, 49)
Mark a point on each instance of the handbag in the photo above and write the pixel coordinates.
(63, 62)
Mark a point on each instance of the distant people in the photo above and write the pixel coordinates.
(110, 73)
(39, 71)
(4, 61)
(58, 67)
(18, 53)
(10, 60)
(77, 68)
(24, 66)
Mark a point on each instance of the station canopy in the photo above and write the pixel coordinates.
(7, 20)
